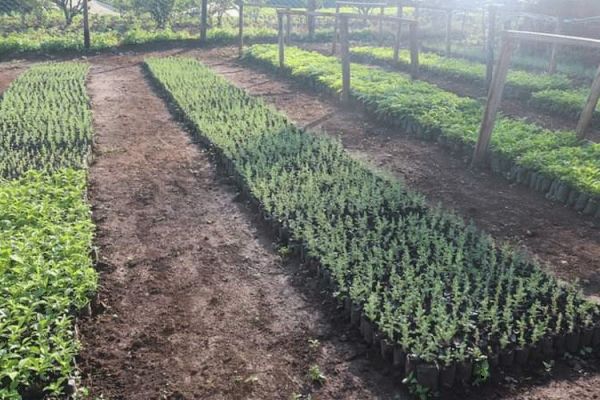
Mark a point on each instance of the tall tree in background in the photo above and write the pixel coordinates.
(70, 9)
(160, 10)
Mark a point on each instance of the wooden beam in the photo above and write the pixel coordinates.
(335, 30)
(360, 4)
(376, 18)
(281, 41)
(345, 55)
(491, 42)
(414, 49)
(397, 40)
(590, 106)
(203, 20)
(288, 29)
(553, 39)
(311, 6)
(493, 102)
(554, 53)
(381, 13)
(484, 30)
(86, 25)
(399, 14)
(448, 33)
(241, 28)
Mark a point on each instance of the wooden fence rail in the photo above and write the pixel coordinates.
(509, 41)
(343, 20)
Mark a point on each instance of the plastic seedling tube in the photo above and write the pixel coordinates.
(410, 366)
(507, 357)
(387, 350)
(572, 198)
(378, 336)
(560, 344)
(586, 337)
(464, 369)
(591, 207)
(521, 355)
(547, 348)
(447, 375)
(572, 341)
(428, 375)
(596, 338)
(355, 315)
(366, 329)
(347, 307)
(399, 357)
(563, 192)
(582, 201)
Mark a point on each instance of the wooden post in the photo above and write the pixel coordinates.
(484, 28)
(491, 41)
(414, 49)
(281, 39)
(86, 25)
(335, 30)
(493, 102)
(552, 65)
(311, 6)
(241, 28)
(381, 14)
(288, 28)
(397, 43)
(448, 32)
(203, 20)
(590, 107)
(345, 54)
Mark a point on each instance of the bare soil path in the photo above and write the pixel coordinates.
(9, 72)
(195, 302)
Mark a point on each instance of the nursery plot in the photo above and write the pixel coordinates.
(45, 121)
(568, 246)
(453, 78)
(548, 94)
(551, 162)
(374, 238)
(45, 227)
(518, 83)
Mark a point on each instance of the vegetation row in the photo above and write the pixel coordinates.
(46, 271)
(552, 162)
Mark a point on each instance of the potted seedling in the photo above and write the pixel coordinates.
(522, 350)
(573, 334)
(507, 354)
(447, 368)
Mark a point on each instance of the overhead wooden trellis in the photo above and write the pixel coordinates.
(342, 20)
(509, 40)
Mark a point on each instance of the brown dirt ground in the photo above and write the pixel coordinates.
(8, 72)
(195, 303)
